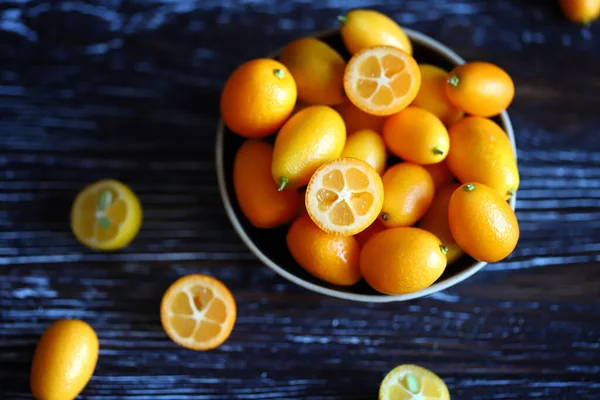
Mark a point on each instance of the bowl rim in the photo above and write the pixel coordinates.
(423, 40)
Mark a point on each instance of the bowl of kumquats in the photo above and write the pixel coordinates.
(370, 162)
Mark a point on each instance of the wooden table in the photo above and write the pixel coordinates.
(129, 89)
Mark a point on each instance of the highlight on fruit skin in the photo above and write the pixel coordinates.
(581, 11)
(480, 88)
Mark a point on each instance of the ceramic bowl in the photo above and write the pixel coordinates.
(269, 245)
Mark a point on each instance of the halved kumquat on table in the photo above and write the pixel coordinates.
(106, 215)
(198, 312)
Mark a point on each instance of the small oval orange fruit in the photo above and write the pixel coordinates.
(367, 145)
(317, 69)
(256, 192)
(357, 120)
(382, 80)
(402, 260)
(436, 221)
(362, 29)
(416, 135)
(481, 152)
(432, 95)
(440, 174)
(480, 88)
(332, 258)
(64, 360)
(258, 98)
(310, 138)
(482, 222)
(408, 193)
(581, 11)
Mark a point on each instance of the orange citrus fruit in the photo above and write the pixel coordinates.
(329, 257)
(432, 95)
(408, 193)
(364, 236)
(317, 69)
(255, 190)
(581, 11)
(382, 80)
(416, 135)
(480, 151)
(358, 120)
(106, 215)
(344, 196)
(402, 260)
(198, 312)
(436, 221)
(310, 138)
(367, 145)
(440, 174)
(64, 360)
(362, 29)
(480, 88)
(411, 382)
(258, 98)
(482, 222)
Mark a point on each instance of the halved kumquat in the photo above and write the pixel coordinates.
(106, 215)
(382, 80)
(344, 196)
(198, 312)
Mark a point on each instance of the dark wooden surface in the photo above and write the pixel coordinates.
(129, 89)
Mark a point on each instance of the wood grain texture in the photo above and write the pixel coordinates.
(129, 89)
